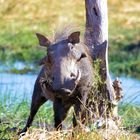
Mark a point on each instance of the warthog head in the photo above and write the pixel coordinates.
(63, 58)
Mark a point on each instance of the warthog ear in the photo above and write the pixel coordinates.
(43, 41)
(74, 37)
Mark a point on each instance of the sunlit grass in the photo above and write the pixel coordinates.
(14, 114)
(21, 19)
(13, 117)
(42, 134)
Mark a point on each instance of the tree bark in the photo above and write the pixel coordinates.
(96, 38)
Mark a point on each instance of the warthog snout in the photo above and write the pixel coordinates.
(67, 85)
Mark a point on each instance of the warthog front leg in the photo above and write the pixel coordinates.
(37, 101)
(60, 112)
(80, 115)
(34, 108)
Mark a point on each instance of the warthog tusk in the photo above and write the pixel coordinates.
(78, 77)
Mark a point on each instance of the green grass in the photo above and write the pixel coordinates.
(13, 118)
(130, 115)
(124, 33)
(21, 20)
(14, 114)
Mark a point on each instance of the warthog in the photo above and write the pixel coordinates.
(66, 78)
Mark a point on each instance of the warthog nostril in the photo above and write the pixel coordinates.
(52, 78)
(72, 75)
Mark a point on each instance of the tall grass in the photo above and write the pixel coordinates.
(14, 114)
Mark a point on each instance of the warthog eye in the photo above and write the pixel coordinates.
(83, 55)
(70, 46)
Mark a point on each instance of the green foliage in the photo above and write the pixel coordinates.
(124, 37)
(130, 115)
(13, 116)
(21, 20)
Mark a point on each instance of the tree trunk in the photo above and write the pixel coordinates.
(96, 38)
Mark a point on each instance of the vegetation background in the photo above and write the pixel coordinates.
(20, 20)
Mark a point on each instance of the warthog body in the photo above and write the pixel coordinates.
(66, 78)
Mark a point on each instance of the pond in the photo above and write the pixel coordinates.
(17, 87)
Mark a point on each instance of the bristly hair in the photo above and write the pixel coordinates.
(62, 32)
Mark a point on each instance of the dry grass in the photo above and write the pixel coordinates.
(32, 14)
(35, 15)
(42, 134)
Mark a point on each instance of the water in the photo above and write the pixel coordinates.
(18, 87)
(131, 88)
